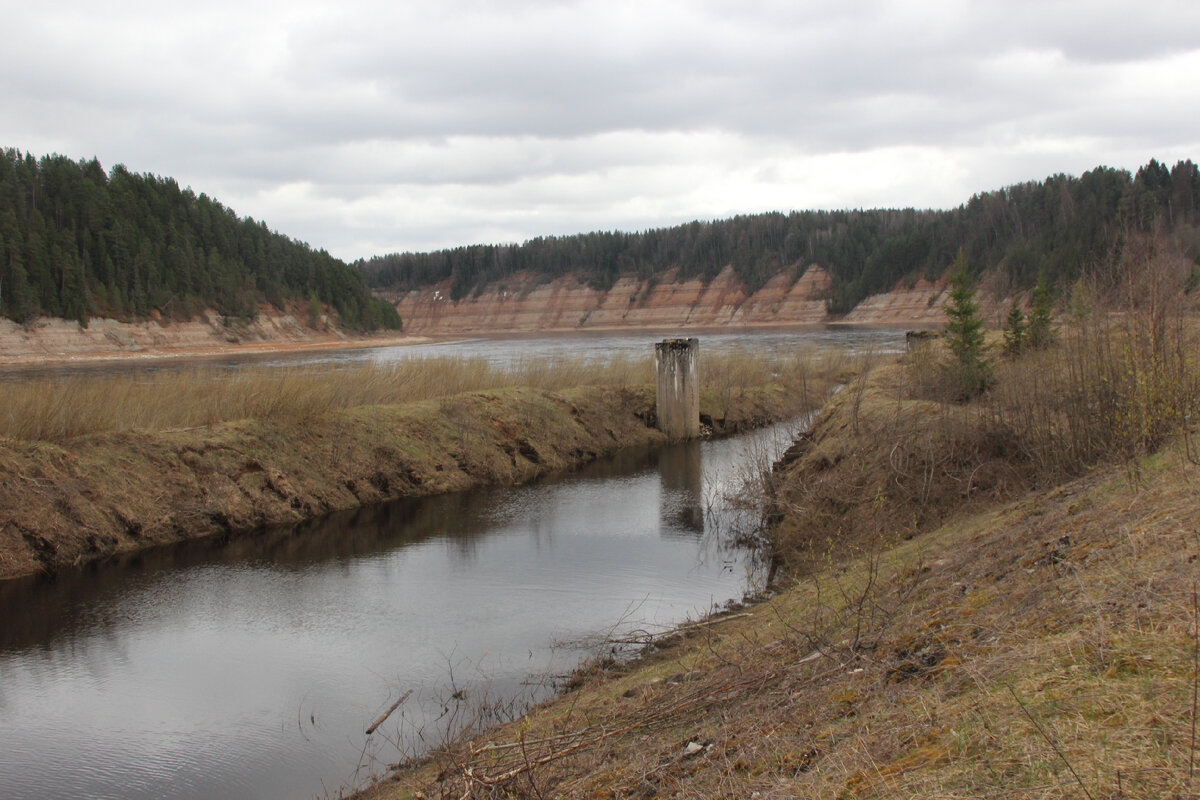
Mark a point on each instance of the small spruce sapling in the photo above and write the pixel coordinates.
(1039, 334)
(1015, 330)
(968, 368)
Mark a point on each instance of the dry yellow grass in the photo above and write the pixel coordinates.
(59, 408)
(299, 443)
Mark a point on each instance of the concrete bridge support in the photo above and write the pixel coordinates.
(677, 404)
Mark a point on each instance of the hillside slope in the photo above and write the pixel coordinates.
(1044, 649)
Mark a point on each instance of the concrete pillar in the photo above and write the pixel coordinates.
(677, 404)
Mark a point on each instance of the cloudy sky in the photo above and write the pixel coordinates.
(373, 126)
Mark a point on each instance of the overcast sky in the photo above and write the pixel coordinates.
(372, 126)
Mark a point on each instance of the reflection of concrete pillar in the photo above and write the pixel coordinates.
(681, 476)
(678, 401)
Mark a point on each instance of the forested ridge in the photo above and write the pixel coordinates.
(76, 242)
(1047, 229)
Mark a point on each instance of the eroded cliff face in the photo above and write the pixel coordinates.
(59, 339)
(522, 304)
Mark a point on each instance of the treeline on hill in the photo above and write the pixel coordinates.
(77, 242)
(1047, 229)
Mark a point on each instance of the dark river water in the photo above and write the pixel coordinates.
(251, 668)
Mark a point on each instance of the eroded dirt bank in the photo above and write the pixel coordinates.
(107, 493)
(59, 340)
(527, 303)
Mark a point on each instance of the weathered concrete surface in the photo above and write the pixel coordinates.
(677, 402)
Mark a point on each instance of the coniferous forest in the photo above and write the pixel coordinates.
(1049, 230)
(76, 241)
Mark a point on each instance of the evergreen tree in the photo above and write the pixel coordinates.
(968, 369)
(1015, 329)
(1039, 333)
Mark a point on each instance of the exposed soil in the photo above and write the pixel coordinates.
(526, 302)
(58, 341)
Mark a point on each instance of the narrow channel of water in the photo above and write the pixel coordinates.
(251, 668)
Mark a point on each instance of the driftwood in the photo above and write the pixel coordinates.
(383, 717)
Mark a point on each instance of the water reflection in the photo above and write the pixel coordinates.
(681, 475)
(250, 667)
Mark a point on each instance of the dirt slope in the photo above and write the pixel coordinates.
(64, 340)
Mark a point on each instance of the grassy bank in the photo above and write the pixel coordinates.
(1041, 649)
(983, 599)
(300, 444)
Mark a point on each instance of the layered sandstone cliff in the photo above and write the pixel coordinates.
(58, 339)
(523, 304)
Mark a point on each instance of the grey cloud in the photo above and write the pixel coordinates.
(542, 114)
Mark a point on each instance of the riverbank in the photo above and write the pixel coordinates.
(67, 503)
(1043, 648)
(973, 606)
(59, 341)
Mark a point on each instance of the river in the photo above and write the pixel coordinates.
(500, 351)
(251, 668)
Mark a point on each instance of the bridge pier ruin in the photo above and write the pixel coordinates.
(677, 402)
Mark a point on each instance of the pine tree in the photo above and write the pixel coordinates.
(968, 370)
